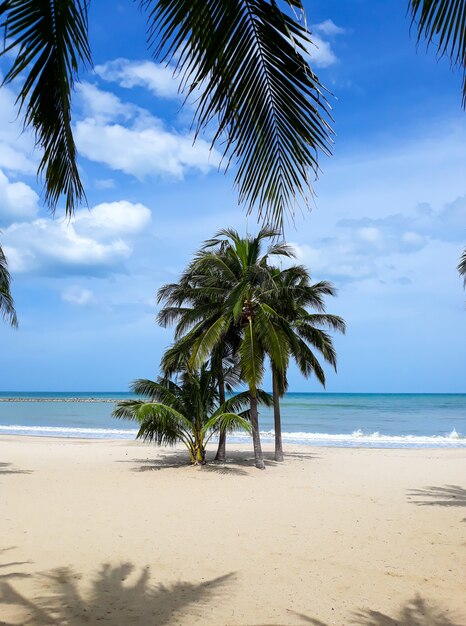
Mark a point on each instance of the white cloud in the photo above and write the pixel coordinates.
(321, 53)
(104, 105)
(329, 28)
(112, 218)
(78, 295)
(94, 243)
(374, 247)
(18, 201)
(141, 147)
(104, 183)
(156, 77)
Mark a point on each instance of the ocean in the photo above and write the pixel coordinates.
(324, 419)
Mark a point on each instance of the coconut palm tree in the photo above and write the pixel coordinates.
(186, 303)
(240, 267)
(243, 61)
(185, 410)
(7, 306)
(225, 369)
(293, 294)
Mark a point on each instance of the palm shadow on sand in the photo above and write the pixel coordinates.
(8, 468)
(236, 464)
(448, 496)
(417, 612)
(118, 594)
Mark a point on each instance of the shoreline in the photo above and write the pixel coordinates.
(357, 440)
(234, 446)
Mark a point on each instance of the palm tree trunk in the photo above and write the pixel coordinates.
(222, 439)
(256, 439)
(277, 416)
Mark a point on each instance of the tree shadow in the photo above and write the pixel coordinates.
(417, 612)
(450, 495)
(117, 593)
(6, 575)
(301, 455)
(236, 463)
(4, 469)
(179, 461)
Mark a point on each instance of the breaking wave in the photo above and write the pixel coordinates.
(355, 439)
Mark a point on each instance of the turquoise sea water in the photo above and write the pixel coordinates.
(369, 420)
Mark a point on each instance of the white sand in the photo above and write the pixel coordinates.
(121, 533)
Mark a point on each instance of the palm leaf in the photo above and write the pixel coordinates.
(243, 60)
(162, 424)
(443, 23)
(127, 409)
(227, 422)
(462, 266)
(307, 361)
(7, 305)
(206, 343)
(51, 38)
(334, 322)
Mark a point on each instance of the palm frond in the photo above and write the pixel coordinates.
(7, 305)
(333, 322)
(443, 23)
(163, 390)
(308, 362)
(227, 422)
(204, 345)
(264, 398)
(244, 60)
(127, 409)
(462, 267)
(162, 424)
(51, 38)
(320, 340)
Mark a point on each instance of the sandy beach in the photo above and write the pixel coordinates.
(122, 533)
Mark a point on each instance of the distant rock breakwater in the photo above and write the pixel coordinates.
(111, 400)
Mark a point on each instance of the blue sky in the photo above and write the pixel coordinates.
(387, 228)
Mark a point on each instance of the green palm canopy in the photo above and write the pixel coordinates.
(233, 300)
(185, 410)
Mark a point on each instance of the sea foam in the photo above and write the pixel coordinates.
(355, 439)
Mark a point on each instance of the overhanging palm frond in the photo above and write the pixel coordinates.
(245, 60)
(462, 267)
(52, 43)
(443, 23)
(7, 305)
